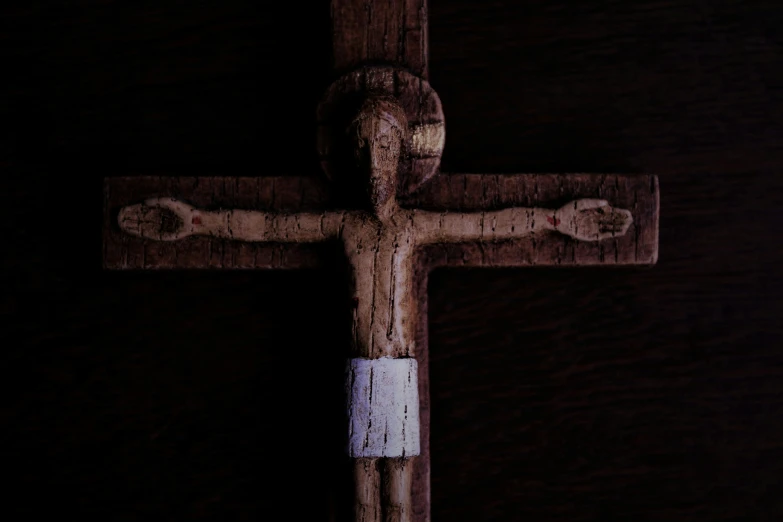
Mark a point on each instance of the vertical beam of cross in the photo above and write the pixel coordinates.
(380, 32)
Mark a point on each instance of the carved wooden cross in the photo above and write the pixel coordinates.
(380, 137)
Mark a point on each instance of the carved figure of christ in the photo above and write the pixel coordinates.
(379, 245)
(377, 123)
(380, 250)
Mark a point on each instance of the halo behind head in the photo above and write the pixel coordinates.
(403, 102)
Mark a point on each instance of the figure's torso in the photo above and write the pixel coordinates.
(381, 259)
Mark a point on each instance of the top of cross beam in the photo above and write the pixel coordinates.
(380, 32)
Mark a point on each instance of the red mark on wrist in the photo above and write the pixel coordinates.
(553, 220)
(195, 221)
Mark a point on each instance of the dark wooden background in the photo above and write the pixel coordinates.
(557, 395)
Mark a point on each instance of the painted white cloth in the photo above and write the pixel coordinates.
(383, 407)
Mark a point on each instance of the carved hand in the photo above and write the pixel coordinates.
(592, 220)
(161, 219)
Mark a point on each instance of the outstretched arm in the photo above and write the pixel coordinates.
(168, 219)
(582, 219)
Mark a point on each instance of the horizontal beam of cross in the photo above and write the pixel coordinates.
(456, 192)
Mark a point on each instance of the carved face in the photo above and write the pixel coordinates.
(377, 135)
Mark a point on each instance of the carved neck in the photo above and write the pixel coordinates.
(385, 211)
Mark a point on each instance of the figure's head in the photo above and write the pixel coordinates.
(378, 132)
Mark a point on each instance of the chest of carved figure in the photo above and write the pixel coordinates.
(380, 254)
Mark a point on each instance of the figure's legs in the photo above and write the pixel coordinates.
(382, 489)
(367, 484)
(383, 408)
(396, 478)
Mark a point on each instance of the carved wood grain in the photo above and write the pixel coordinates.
(392, 32)
(367, 502)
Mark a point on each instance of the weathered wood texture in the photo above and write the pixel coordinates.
(394, 32)
(367, 501)
(280, 194)
(420, 103)
(396, 485)
(457, 192)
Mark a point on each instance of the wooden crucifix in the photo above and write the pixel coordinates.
(381, 133)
